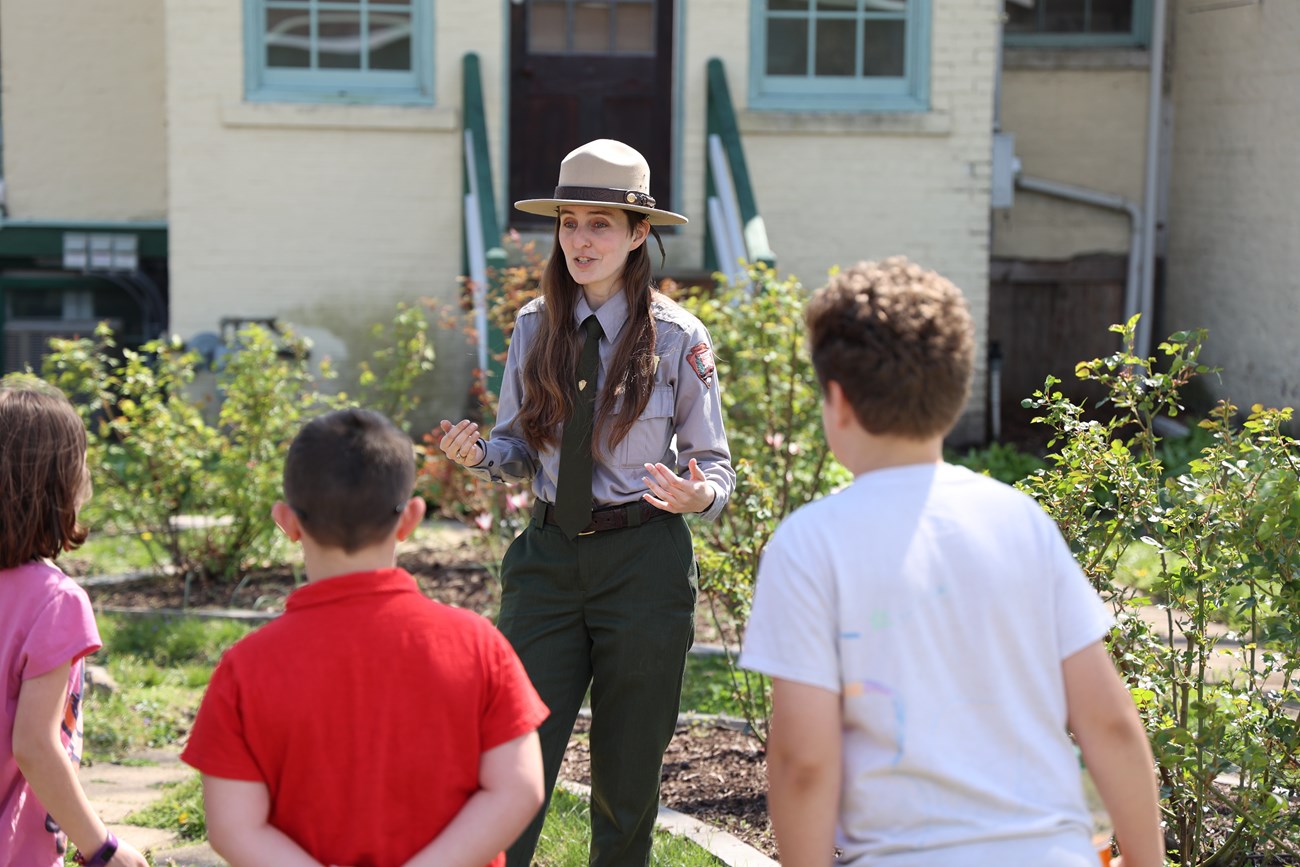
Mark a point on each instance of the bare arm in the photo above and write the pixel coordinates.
(509, 796)
(44, 763)
(803, 772)
(237, 812)
(1115, 749)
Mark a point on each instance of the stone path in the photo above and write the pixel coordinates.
(115, 791)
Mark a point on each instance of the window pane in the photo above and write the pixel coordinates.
(837, 5)
(634, 28)
(1112, 16)
(390, 40)
(36, 305)
(591, 27)
(787, 46)
(1064, 16)
(835, 46)
(884, 48)
(339, 41)
(784, 5)
(288, 39)
(546, 28)
(1021, 20)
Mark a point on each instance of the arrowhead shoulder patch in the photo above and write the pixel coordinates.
(701, 359)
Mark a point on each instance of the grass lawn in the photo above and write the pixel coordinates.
(567, 832)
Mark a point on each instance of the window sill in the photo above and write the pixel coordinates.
(316, 116)
(907, 123)
(1076, 58)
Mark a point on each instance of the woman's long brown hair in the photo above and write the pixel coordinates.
(552, 361)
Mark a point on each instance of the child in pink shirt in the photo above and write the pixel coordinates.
(47, 629)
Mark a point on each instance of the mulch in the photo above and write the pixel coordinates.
(713, 773)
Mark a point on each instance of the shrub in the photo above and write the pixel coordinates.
(1224, 531)
(772, 405)
(1002, 461)
(198, 493)
(497, 511)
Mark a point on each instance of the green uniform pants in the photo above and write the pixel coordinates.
(614, 610)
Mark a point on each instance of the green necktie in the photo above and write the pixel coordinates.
(573, 487)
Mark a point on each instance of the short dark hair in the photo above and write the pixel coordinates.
(43, 479)
(899, 341)
(348, 475)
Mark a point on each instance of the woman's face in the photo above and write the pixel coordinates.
(596, 242)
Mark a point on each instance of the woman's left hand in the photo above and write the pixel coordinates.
(672, 493)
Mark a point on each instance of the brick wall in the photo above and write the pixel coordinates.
(83, 109)
(323, 215)
(1234, 223)
(834, 189)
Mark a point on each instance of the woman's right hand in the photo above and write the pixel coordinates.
(461, 442)
(127, 856)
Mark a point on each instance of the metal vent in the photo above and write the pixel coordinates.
(27, 341)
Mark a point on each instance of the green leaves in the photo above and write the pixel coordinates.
(1220, 510)
(772, 402)
(190, 460)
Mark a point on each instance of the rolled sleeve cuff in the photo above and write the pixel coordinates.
(720, 497)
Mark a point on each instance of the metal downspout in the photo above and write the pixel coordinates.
(1137, 221)
(1155, 99)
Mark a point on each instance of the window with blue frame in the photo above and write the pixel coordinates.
(845, 55)
(1078, 23)
(350, 51)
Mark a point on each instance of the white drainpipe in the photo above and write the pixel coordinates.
(1150, 191)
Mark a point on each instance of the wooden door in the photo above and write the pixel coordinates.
(583, 70)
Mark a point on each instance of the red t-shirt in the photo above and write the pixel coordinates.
(364, 709)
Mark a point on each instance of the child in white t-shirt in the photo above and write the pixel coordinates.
(929, 637)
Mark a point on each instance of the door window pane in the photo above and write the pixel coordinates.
(835, 46)
(546, 28)
(788, 5)
(837, 5)
(591, 27)
(634, 31)
(787, 46)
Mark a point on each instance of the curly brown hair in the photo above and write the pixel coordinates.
(899, 341)
(43, 478)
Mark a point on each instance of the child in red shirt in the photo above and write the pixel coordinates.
(369, 725)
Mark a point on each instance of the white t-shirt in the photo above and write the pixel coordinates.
(939, 604)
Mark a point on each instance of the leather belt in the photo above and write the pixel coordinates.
(609, 518)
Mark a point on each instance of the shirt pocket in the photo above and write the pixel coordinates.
(647, 441)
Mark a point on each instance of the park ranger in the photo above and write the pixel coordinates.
(610, 409)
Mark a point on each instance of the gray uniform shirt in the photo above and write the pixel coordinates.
(682, 420)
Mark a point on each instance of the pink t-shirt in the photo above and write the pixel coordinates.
(45, 621)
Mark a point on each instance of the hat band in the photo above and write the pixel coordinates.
(606, 194)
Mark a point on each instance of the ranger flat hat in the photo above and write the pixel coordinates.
(604, 172)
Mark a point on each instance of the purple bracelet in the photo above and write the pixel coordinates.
(102, 857)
